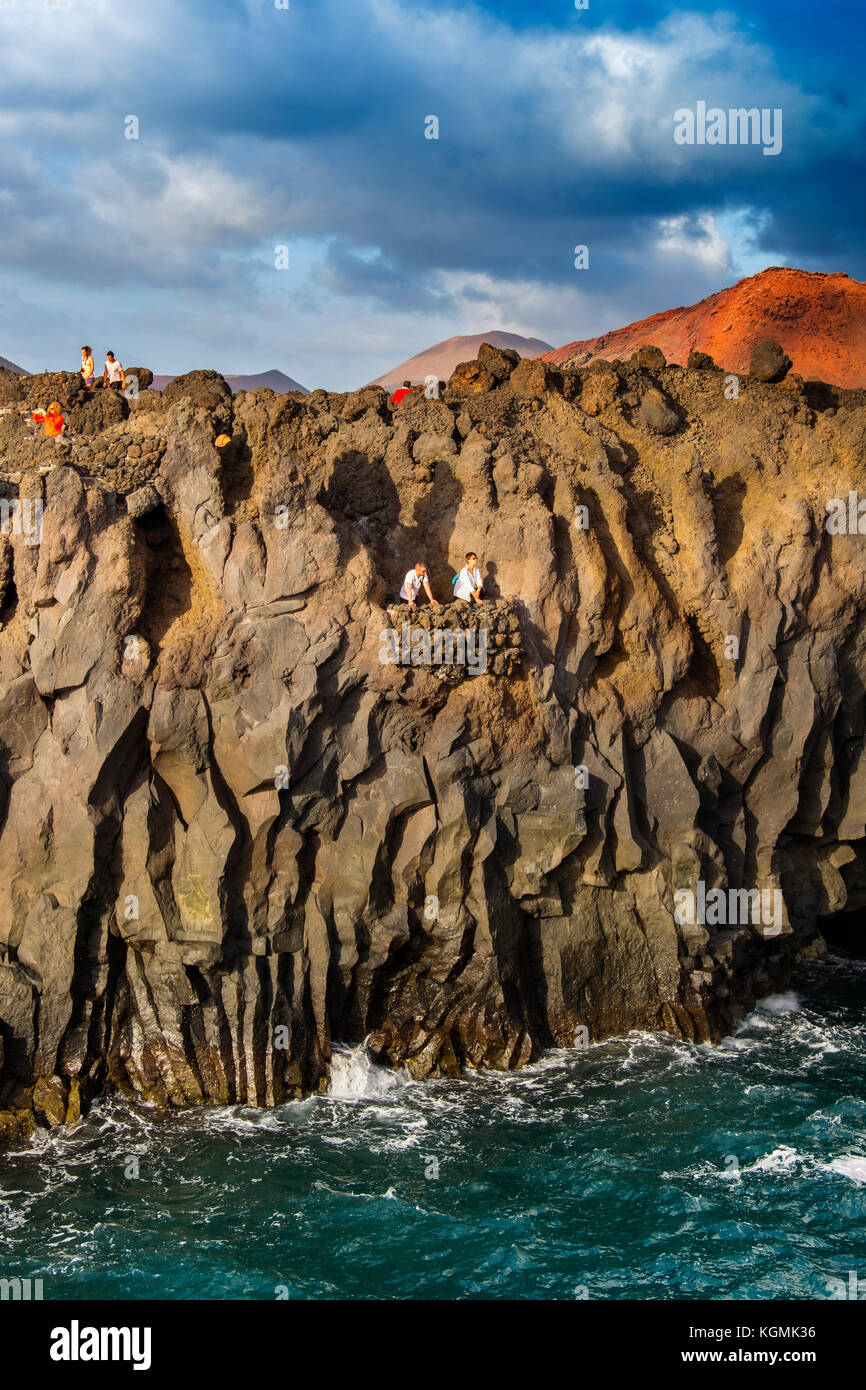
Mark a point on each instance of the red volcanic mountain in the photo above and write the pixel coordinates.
(819, 319)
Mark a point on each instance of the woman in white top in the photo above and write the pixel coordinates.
(468, 582)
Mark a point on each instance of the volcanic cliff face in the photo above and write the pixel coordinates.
(819, 319)
(235, 832)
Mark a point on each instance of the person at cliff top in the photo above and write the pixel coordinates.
(87, 375)
(51, 420)
(467, 584)
(114, 375)
(415, 579)
(404, 390)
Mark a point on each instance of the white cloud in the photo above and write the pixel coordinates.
(171, 203)
(697, 238)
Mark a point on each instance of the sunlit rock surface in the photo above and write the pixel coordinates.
(233, 833)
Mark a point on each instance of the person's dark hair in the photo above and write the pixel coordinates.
(109, 353)
(407, 383)
(470, 555)
(86, 348)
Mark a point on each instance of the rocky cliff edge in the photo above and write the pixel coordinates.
(241, 822)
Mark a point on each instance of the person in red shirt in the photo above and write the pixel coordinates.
(404, 390)
(51, 420)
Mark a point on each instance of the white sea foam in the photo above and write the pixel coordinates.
(851, 1166)
(788, 1003)
(354, 1076)
(779, 1160)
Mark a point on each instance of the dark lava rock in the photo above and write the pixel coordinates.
(207, 389)
(532, 377)
(770, 362)
(144, 374)
(500, 362)
(657, 413)
(11, 387)
(650, 357)
(143, 500)
(471, 376)
(700, 362)
(96, 411)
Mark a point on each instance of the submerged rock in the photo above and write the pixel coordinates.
(238, 826)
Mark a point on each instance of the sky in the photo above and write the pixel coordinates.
(282, 205)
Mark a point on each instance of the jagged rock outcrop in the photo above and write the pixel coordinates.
(236, 829)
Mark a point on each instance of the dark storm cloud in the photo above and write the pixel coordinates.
(261, 127)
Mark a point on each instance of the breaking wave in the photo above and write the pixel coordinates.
(642, 1167)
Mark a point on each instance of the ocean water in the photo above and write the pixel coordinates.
(642, 1168)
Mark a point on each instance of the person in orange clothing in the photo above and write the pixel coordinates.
(51, 420)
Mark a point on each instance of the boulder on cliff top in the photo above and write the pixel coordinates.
(770, 362)
(144, 375)
(657, 413)
(533, 377)
(471, 376)
(500, 362)
(43, 387)
(650, 357)
(96, 411)
(700, 362)
(203, 388)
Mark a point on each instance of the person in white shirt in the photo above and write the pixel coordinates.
(468, 582)
(114, 375)
(415, 580)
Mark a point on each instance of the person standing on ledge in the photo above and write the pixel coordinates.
(415, 579)
(87, 375)
(467, 584)
(114, 375)
(404, 390)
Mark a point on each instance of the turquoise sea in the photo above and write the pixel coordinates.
(642, 1168)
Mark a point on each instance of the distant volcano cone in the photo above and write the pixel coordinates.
(441, 359)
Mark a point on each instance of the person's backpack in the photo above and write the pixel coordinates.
(454, 580)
